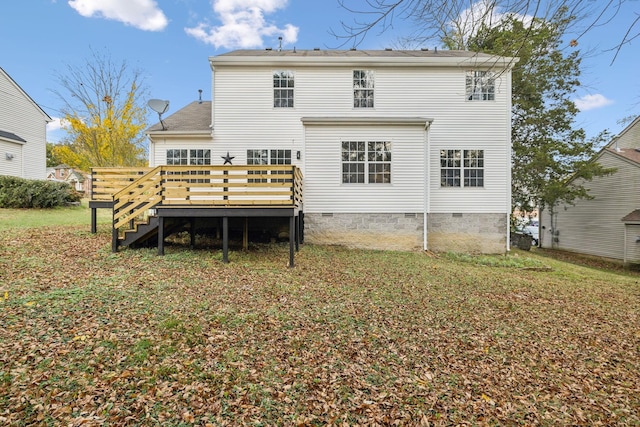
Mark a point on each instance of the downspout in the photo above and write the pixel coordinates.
(624, 258)
(508, 161)
(427, 192)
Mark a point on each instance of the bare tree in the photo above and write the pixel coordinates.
(436, 20)
(104, 114)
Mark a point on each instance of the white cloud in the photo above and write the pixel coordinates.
(243, 24)
(142, 14)
(55, 125)
(591, 102)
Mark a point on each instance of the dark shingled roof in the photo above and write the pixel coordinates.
(12, 136)
(387, 53)
(632, 217)
(628, 153)
(194, 117)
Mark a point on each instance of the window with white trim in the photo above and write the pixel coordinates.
(283, 82)
(268, 157)
(190, 157)
(461, 168)
(366, 162)
(177, 157)
(480, 85)
(363, 86)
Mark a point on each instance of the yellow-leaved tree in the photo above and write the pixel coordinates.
(103, 114)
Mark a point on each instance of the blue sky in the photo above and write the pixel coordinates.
(171, 41)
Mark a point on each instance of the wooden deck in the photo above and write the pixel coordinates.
(142, 198)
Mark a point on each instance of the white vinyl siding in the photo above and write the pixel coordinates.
(323, 186)
(10, 167)
(594, 226)
(20, 116)
(246, 119)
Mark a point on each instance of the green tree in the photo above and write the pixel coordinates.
(103, 114)
(52, 159)
(549, 152)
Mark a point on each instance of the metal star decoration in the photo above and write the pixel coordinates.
(227, 159)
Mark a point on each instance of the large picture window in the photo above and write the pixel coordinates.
(480, 86)
(366, 162)
(283, 82)
(461, 168)
(363, 86)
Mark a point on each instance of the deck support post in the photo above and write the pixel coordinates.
(225, 240)
(292, 237)
(94, 220)
(160, 235)
(192, 233)
(114, 240)
(245, 234)
(297, 228)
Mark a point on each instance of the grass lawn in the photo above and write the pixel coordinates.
(347, 337)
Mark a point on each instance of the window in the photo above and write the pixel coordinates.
(189, 157)
(480, 86)
(461, 168)
(283, 89)
(200, 157)
(363, 83)
(177, 157)
(366, 162)
(268, 157)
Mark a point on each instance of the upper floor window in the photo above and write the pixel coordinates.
(363, 85)
(480, 86)
(283, 89)
(461, 168)
(366, 162)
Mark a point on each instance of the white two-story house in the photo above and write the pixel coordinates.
(399, 149)
(23, 139)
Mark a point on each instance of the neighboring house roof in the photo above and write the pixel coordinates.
(194, 118)
(63, 166)
(387, 56)
(632, 217)
(628, 153)
(11, 136)
(47, 117)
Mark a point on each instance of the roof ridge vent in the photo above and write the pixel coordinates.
(316, 48)
(387, 48)
(269, 48)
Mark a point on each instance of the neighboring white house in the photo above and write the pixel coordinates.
(609, 224)
(23, 139)
(399, 149)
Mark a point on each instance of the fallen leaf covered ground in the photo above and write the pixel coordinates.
(347, 337)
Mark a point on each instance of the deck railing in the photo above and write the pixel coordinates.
(105, 182)
(196, 186)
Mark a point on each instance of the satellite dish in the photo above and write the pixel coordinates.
(159, 106)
